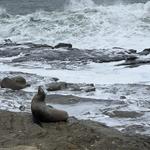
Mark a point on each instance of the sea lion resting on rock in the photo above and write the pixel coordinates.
(19, 79)
(12, 84)
(43, 113)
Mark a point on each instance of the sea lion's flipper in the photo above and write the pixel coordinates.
(35, 120)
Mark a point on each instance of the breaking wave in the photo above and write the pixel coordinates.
(83, 23)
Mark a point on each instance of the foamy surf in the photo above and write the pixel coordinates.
(85, 25)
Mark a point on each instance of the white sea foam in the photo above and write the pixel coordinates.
(92, 111)
(79, 4)
(104, 73)
(9, 59)
(90, 26)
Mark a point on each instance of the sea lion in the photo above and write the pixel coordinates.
(12, 84)
(43, 113)
(19, 79)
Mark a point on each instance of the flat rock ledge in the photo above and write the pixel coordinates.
(18, 130)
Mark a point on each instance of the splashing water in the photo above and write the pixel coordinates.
(80, 4)
(82, 23)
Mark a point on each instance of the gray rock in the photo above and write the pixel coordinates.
(132, 51)
(22, 108)
(55, 86)
(145, 51)
(63, 45)
(131, 58)
(124, 114)
(132, 129)
(122, 97)
(55, 79)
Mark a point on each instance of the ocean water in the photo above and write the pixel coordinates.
(84, 23)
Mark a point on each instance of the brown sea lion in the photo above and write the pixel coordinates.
(12, 84)
(43, 113)
(19, 79)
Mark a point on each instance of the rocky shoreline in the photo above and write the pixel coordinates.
(114, 105)
(18, 129)
(68, 55)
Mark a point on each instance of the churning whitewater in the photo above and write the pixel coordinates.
(84, 23)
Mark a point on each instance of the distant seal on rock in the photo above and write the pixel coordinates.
(43, 113)
(12, 84)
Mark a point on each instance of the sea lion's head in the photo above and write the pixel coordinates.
(5, 82)
(41, 94)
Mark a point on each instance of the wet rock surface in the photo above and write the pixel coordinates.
(63, 45)
(18, 129)
(131, 129)
(62, 52)
(135, 62)
(145, 51)
(124, 114)
(68, 55)
(56, 86)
